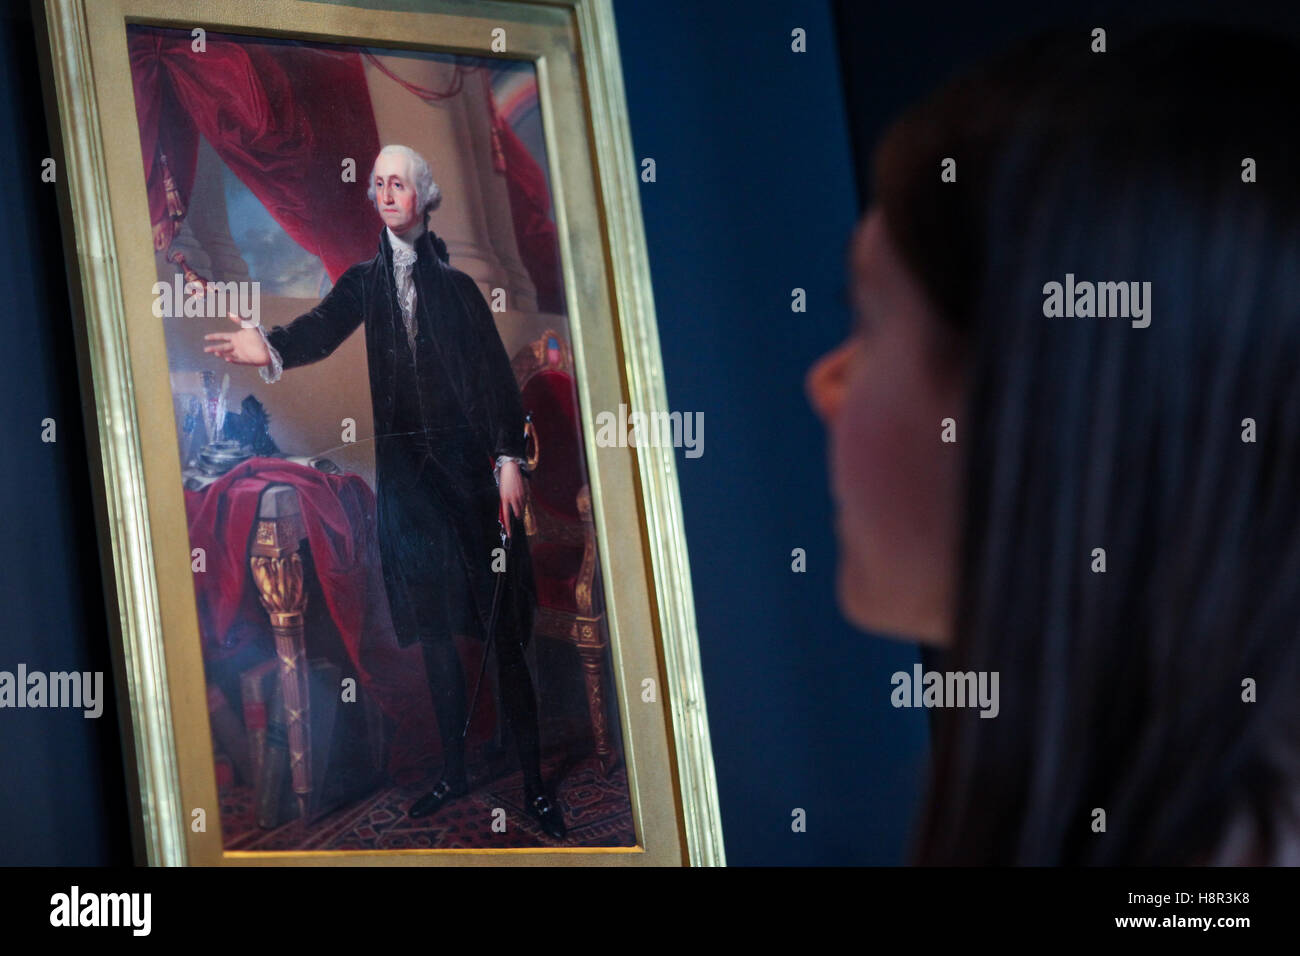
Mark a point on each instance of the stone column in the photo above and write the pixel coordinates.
(454, 135)
(204, 237)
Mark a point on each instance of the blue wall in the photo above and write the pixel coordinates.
(755, 195)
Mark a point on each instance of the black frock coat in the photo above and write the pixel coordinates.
(441, 418)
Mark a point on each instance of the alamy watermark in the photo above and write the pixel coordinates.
(1102, 300)
(651, 430)
(946, 689)
(82, 690)
(78, 909)
(209, 300)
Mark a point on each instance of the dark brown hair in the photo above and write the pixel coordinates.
(1120, 691)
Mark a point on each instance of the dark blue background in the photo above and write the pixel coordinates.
(755, 196)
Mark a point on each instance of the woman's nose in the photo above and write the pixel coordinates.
(825, 382)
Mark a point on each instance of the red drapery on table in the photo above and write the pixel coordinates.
(339, 514)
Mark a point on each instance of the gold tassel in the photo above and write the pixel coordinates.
(191, 277)
(175, 208)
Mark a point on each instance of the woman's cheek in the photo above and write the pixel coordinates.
(859, 436)
(888, 460)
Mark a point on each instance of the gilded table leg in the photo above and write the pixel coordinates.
(592, 651)
(278, 574)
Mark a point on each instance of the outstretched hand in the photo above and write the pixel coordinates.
(245, 347)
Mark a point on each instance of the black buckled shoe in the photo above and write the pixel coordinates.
(432, 801)
(547, 815)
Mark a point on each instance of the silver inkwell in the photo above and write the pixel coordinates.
(219, 455)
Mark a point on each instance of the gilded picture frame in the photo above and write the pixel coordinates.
(614, 349)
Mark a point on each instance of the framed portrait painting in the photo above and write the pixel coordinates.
(352, 285)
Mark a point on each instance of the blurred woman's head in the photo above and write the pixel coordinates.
(887, 389)
(1116, 527)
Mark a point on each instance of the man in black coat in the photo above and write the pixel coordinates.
(448, 421)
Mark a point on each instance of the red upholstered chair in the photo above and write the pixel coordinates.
(557, 518)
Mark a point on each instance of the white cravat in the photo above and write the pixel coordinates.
(404, 278)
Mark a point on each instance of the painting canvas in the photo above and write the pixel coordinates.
(395, 564)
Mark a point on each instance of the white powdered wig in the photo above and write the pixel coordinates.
(427, 193)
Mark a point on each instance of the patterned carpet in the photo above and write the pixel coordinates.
(596, 811)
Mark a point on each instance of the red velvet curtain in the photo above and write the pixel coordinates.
(282, 117)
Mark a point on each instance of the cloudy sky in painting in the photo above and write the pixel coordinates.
(280, 264)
